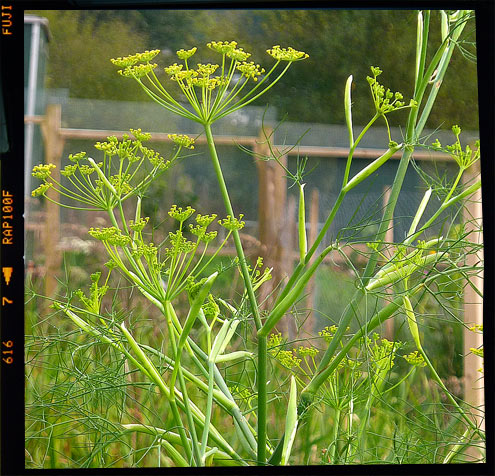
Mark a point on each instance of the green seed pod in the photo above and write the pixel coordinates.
(367, 171)
(233, 356)
(408, 259)
(347, 106)
(411, 320)
(420, 211)
(303, 242)
(290, 422)
(394, 273)
(223, 338)
(279, 310)
(102, 176)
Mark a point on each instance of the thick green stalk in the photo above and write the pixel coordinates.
(468, 191)
(442, 68)
(235, 233)
(422, 42)
(252, 300)
(171, 394)
(284, 305)
(262, 398)
(155, 375)
(209, 406)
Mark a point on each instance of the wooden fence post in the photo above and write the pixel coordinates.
(54, 147)
(473, 307)
(272, 196)
(309, 323)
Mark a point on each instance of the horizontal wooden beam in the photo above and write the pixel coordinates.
(304, 150)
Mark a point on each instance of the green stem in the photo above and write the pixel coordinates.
(353, 148)
(235, 233)
(335, 437)
(209, 406)
(172, 401)
(252, 300)
(300, 267)
(459, 175)
(262, 398)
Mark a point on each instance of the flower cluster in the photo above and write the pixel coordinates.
(92, 303)
(179, 244)
(328, 332)
(104, 191)
(87, 169)
(77, 157)
(286, 54)
(208, 83)
(250, 70)
(307, 351)
(150, 253)
(193, 287)
(232, 223)
(121, 183)
(215, 100)
(110, 147)
(138, 71)
(383, 352)
(179, 214)
(222, 47)
(464, 158)
(286, 357)
(202, 234)
(415, 359)
(139, 224)
(205, 220)
(385, 100)
(111, 235)
(136, 58)
(42, 171)
(477, 328)
(206, 70)
(210, 308)
(185, 54)
(182, 140)
(69, 170)
(479, 352)
(159, 162)
(140, 135)
(41, 190)
(238, 54)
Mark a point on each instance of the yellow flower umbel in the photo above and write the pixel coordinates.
(95, 185)
(212, 89)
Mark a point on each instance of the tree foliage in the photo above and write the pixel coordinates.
(339, 42)
(79, 51)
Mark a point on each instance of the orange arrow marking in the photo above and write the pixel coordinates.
(7, 273)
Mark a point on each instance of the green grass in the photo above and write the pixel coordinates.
(79, 392)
